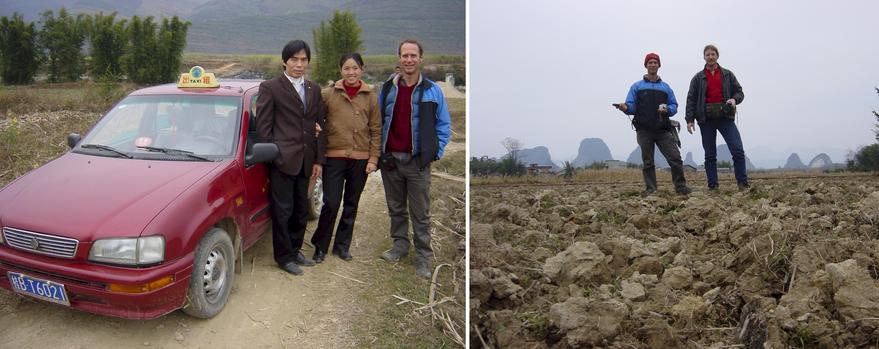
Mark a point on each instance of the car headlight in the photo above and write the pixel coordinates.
(129, 251)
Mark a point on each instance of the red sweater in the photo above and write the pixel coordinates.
(714, 91)
(351, 91)
(400, 134)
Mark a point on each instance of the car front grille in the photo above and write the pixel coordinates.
(49, 245)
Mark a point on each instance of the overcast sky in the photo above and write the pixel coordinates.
(546, 72)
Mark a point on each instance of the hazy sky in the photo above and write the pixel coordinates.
(546, 72)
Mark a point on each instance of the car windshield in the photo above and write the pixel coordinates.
(167, 127)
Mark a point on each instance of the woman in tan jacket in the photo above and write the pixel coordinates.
(353, 148)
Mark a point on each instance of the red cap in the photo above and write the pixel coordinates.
(650, 56)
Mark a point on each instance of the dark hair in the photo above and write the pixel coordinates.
(410, 41)
(354, 55)
(710, 47)
(293, 47)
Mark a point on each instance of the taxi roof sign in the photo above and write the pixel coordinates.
(197, 77)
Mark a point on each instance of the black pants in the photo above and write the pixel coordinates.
(289, 213)
(339, 174)
(664, 139)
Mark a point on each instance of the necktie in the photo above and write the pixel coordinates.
(302, 94)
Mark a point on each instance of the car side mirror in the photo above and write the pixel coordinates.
(73, 139)
(261, 152)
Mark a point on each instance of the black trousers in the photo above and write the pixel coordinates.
(339, 175)
(289, 213)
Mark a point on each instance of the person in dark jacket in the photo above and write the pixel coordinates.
(289, 110)
(652, 102)
(714, 94)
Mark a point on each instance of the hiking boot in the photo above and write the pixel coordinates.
(422, 269)
(713, 188)
(648, 192)
(393, 255)
(744, 186)
(684, 191)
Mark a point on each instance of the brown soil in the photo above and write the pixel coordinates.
(789, 263)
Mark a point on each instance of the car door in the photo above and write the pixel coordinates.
(256, 180)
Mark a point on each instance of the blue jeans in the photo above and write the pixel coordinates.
(730, 133)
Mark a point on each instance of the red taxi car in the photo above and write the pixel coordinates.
(149, 211)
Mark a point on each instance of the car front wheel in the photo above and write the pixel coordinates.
(213, 273)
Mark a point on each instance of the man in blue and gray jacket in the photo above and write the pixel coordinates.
(415, 130)
(652, 102)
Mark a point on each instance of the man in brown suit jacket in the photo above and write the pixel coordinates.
(287, 110)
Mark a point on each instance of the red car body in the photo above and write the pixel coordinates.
(86, 198)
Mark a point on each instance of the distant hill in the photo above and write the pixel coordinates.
(590, 151)
(794, 163)
(537, 155)
(264, 26)
(689, 160)
(658, 160)
(126, 8)
(820, 161)
(723, 154)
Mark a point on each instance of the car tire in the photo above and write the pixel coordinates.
(213, 273)
(316, 199)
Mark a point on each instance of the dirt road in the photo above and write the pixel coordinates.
(267, 309)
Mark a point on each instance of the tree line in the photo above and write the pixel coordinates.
(867, 158)
(68, 46)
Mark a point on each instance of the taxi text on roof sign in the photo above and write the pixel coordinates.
(198, 78)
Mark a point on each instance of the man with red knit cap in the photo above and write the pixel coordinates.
(652, 102)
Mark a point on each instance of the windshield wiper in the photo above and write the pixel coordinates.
(107, 148)
(171, 151)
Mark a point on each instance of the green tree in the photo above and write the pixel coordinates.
(483, 166)
(62, 39)
(598, 165)
(107, 38)
(172, 40)
(569, 170)
(154, 53)
(332, 40)
(876, 114)
(867, 158)
(19, 56)
(511, 166)
(139, 62)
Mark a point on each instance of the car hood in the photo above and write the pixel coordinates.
(92, 197)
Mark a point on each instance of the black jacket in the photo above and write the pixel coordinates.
(698, 87)
(282, 119)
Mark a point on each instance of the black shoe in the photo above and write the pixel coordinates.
(744, 186)
(301, 260)
(684, 191)
(344, 255)
(319, 256)
(712, 188)
(648, 192)
(291, 268)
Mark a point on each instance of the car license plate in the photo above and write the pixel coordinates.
(38, 288)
